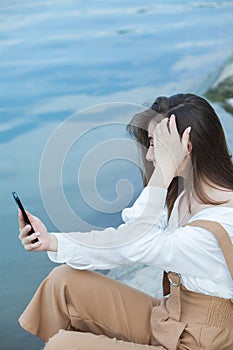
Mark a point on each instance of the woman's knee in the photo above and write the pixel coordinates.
(65, 276)
(59, 272)
(59, 341)
(62, 274)
(70, 340)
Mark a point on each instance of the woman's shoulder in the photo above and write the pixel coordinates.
(221, 214)
(215, 210)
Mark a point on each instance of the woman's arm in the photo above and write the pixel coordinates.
(190, 251)
(77, 245)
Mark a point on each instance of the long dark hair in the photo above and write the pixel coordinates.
(210, 156)
(211, 159)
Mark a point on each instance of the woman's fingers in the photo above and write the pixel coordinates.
(29, 241)
(174, 131)
(161, 131)
(24, 231)
(169, 146)
(172, 123)
(164, 127)
(167, 127)
(173, 126)
(24, 235)
(38, 240)
(185, 137)
(32, 246)
(164, 130)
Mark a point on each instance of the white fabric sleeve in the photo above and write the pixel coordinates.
(132, 213)
(187, 250)
(191, 251)
(101, 249)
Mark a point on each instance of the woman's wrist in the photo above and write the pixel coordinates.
(162, 175)
(52, 243)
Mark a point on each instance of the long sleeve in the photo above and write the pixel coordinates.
(112, 247)
(191, 251)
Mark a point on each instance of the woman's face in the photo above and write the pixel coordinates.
(150, 153)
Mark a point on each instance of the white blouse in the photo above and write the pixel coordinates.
(147, 237)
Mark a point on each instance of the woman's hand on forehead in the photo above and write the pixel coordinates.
(169, 148)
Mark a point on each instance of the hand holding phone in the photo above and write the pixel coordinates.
(25, 217)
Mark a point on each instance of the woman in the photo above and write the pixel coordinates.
(75, 308)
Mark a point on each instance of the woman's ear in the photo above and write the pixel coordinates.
(189, 147)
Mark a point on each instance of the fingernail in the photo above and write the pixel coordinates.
(28, 227)
(37, 234)
(189, 129)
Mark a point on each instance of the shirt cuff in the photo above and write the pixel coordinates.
(64, 246)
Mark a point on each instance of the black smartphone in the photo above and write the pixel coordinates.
(25, 217)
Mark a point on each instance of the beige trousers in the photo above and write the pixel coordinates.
(84, 310)
(97, 312)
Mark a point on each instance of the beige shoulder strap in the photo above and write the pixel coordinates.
(222, 237)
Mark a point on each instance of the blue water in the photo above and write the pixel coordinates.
(59, 59)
